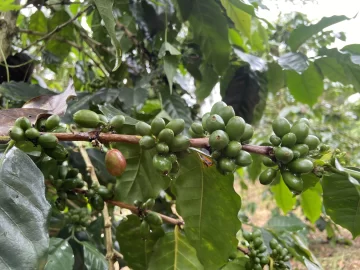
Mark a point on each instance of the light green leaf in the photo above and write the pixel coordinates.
(8, 5)
(140, 181)
(237, 264)
(37, 23)
(255, 63)
(170, 67)
(275, 76)
(132, 98)
(241, 19)
(294, 61)
(136, 250)
(311, 203)
(307, 87)
(210, 30)
(174, 252)
(342, 201)
(105, 8)
(304, 32)
(283, 196)
(287, 224)
(24, 213)
(93, 259)
(332, 69)
(167, 47)
(60, 255)
(208, 82)
(209, 206)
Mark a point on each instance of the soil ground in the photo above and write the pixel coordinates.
(331, 256)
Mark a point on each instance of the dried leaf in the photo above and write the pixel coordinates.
(53, 104)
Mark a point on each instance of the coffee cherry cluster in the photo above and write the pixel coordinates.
(97, 194)
(166, 139)
(149, 220)
(227, 133)
(23, 131)
(80, 218)
(293, 146)
(257, 250)
(279, 254)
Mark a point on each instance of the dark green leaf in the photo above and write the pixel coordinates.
(167, 47)
(20, 91)
(60, 255)
(332, 69)
(184, 8)
(132, 98)
(283, 196)
(237, 264)
(307, 87)
(304, 32)
(208, 82)
(311, 203)
(174, 252)
(170, 67)
(254, 169)
(209, 205)
(140, 181)
(294, 61)
(37, 23)
(241, 19)
(136, 250)
(24, 213)
(342, 201)
(310, 180)
(288, 224)
(226, 79)
(105, 9)
(275, 77)
(211, 33)
(93, 259)
(256, 63)
(110, 111)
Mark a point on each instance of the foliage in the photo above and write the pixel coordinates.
(141, 71)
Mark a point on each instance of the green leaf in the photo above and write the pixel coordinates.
(275, 76)
(256, 63)
(304, 32)
(170, 67)
(167, 47)
(8, 5)
(209, 205)
(287, 224)
(237, 264)
(241, 19)
(283, 196)
(93, 259)
(183, 8)
(105, 9)
(37, 23)
(24, 213)
(60, 255)
(254, 169)
(342, 201)
(332, 69)
(176, 107)
(311, 203)
(307, 87)
(110, 111)
(294, 61)
(140, 180)
(132, 98)
(211, 33)
(136, 250)
(173, 251)
(310, 180)
(208, 82)
(21, 91)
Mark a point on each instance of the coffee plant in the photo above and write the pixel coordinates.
(136, 164)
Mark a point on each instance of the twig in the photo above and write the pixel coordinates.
(243, 250)
(59, 27)
(135, 210)
(107, 220)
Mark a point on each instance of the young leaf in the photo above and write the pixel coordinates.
(24, 213)
(283, 196)
(311, 203)
(93, 259)
(294, 61)
(105, 9)
(140, 181)
(37, 23)
(136, 250)
(60, 255)
(307, 87)
(174, 252)
(285, 223)
(170, 66)
(304, 32)
(209, 205)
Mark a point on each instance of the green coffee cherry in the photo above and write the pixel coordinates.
(143, 128)
(86, 119)
(301, 130)
(227, 165)
(235, 128)
(32, 133)
(40, 124)
(303, 149)
(144, 229)
(243, 159)
(267, 176)
(268, 162)
(289, 140)
(162, 164)
(166, 136)
(214, 122)
(17, 134)
(247, 236)
(197, 128)
(157, 125)
(97, 202)
(293, 182)
(248, 133)
(226, 113)
(281, 126)
(312, 141)
(117, 122)
(172, 158)
(149, 203)
(162, 148)
(233, 149)
(58, 153)
(275, 140)
(301, 165)
(218, 140)
(72, 173)
(284, 154)
(23, 123)
(217, 106)
(179, 143)
(204, 119)
(103, 118)
(176, 125)
(52, 122)
(105, 193)
(153, 218)
(48, 141)
(147, 142)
